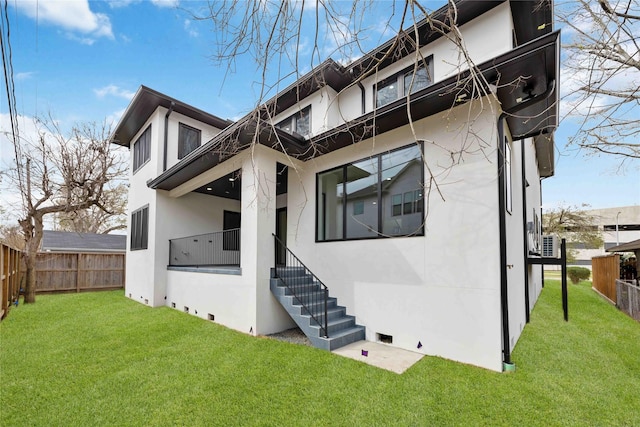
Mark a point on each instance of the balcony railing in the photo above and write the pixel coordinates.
(221, 248)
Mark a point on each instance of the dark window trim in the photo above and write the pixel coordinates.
(139, 239)
(380, 234)
(182, 155)
(398, 78)
(148, 150)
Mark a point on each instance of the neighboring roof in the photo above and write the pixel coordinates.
(632, 246)
(144, 103)
(65, 241)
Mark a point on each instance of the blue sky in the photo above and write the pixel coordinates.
(83, 61)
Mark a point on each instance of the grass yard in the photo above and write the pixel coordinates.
(101, 359)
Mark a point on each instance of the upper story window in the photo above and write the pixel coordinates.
(188, 140)
(299, 123)
(142, 149)
(409, 80)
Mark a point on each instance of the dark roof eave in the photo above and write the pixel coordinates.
(209, 154)
(442, 95)
(436, 98)
(144, 103)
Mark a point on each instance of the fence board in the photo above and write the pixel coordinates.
(67, 272)
(628, 297)
(605, 271)
(9, 277)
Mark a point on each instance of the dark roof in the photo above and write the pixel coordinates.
(144, 103)
(632, 246)
(65, 241)
(537, 53)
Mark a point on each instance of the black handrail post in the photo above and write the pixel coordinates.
(326, 322)
(565, 297)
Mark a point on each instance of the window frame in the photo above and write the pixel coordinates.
(418, 205)
(139, 238)
(142, 150)
(293, 121)
(181, 146)
(399, 80)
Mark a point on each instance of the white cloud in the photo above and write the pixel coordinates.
(74, 16)
(189, 29)
(113, 90)
(166, 3)
(115, 4)
(24, 75)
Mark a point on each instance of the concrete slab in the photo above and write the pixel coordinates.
(380, 355)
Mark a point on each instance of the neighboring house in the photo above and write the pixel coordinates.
(67, 241)
(435, 259)
(617, 225)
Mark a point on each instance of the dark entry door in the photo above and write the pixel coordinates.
(231, 227)
(281, 232)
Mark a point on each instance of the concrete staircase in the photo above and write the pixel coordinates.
(309, 299)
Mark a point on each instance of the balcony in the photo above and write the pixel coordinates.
(206, 251)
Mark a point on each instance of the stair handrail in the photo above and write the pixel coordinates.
(323, 325)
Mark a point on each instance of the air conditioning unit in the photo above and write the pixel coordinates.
(550, 246)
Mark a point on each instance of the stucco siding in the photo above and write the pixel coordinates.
(441, 290)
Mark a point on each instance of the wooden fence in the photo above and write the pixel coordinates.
(76, 272)
(9, 277)
(629, 297)
(605, 271)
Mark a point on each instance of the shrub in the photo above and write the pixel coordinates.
(577, 274)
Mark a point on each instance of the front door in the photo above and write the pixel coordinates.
(281, 232)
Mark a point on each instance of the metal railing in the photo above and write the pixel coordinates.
(221, 248)
(305, 286)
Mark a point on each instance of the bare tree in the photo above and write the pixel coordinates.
(575, 225)
(603, 74)
(274, 34)
(95, 219)
(57, 173)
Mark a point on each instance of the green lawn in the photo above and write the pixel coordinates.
(101, 359)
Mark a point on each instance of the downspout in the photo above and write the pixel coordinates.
(166, 135)
(524, 231)
(362, 97)
(504, 302)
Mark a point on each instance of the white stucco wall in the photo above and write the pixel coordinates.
(443, 289)
(140, 281)
(206, 133)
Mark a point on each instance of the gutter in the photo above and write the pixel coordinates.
(166, 135)
(362, 97)
(525, 237)
(504, 302)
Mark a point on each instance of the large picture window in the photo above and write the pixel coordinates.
(140, 228)
(409, 80)
(142, 149)
(381, 196)
(188, 140)
(299, 123)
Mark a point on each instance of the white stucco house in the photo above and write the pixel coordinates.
(410, 193)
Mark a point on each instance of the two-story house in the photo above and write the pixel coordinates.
(393, 199)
